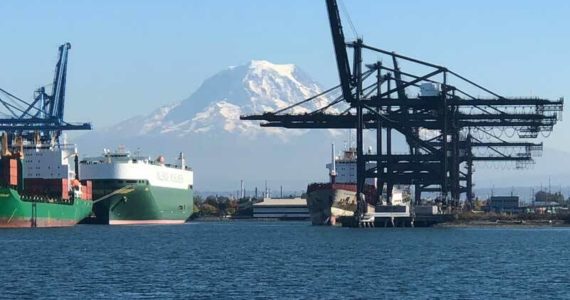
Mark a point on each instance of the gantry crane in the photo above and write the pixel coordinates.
(444, 126)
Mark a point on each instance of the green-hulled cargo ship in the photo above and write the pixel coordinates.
(39, 182)
(39, 188)
(20, 211)
(139, 190)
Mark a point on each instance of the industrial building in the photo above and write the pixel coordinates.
(502, 204)
(282, 209)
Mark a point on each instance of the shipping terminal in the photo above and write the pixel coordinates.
(433, 111)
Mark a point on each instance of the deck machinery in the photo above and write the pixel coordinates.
(446, 128)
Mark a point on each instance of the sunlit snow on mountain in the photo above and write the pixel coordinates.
(222, 148)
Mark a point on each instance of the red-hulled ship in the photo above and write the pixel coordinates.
(337, 198)
(327, 201)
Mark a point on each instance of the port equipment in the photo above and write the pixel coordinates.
(42, 119)
(446, 128)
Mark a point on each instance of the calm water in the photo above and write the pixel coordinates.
(283, 260)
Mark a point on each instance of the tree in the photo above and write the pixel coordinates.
(231, 207)
(198, 198)
(209, 210)
(212, 200)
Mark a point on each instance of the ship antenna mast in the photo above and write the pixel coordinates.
(333, 166)
(182, 161)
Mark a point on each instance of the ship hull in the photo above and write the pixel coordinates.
(327, 202)
(16, 212)
(141, 203)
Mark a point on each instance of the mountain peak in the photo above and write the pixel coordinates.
(259, 66)
(254, 87)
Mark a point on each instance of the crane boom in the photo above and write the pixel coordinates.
(57, 102)
(340, 50)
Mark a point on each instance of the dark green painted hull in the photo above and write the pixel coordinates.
(141, 204)
(18, 212)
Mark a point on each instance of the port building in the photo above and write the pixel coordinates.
(504, 204)
(282, 209)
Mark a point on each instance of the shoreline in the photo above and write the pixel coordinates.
(452, 224)
(499, 223)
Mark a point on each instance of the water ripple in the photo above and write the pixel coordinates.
(251, 260)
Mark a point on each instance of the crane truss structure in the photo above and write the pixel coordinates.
(445, 126)
(43, 117)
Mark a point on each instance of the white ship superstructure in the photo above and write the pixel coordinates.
(52, 169)
(122, 165)
(344, 167)
(49, 162)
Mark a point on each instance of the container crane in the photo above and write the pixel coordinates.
(44, 116)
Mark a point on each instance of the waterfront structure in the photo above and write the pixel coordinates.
(543, 207)
(502, 204)
(282, 209)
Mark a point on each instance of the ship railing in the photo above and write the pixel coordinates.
(49, 146)
(173, 166)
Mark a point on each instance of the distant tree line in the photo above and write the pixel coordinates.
(222, 206)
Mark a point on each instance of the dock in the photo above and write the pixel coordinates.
(399, 216)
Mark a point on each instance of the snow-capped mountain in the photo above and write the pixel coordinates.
(256, 87)
(206, 126)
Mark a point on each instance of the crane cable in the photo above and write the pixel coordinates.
(345, 11)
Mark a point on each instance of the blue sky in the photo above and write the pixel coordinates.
(130, 57)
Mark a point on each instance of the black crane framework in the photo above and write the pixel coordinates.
(446, 128)
(42, 118)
